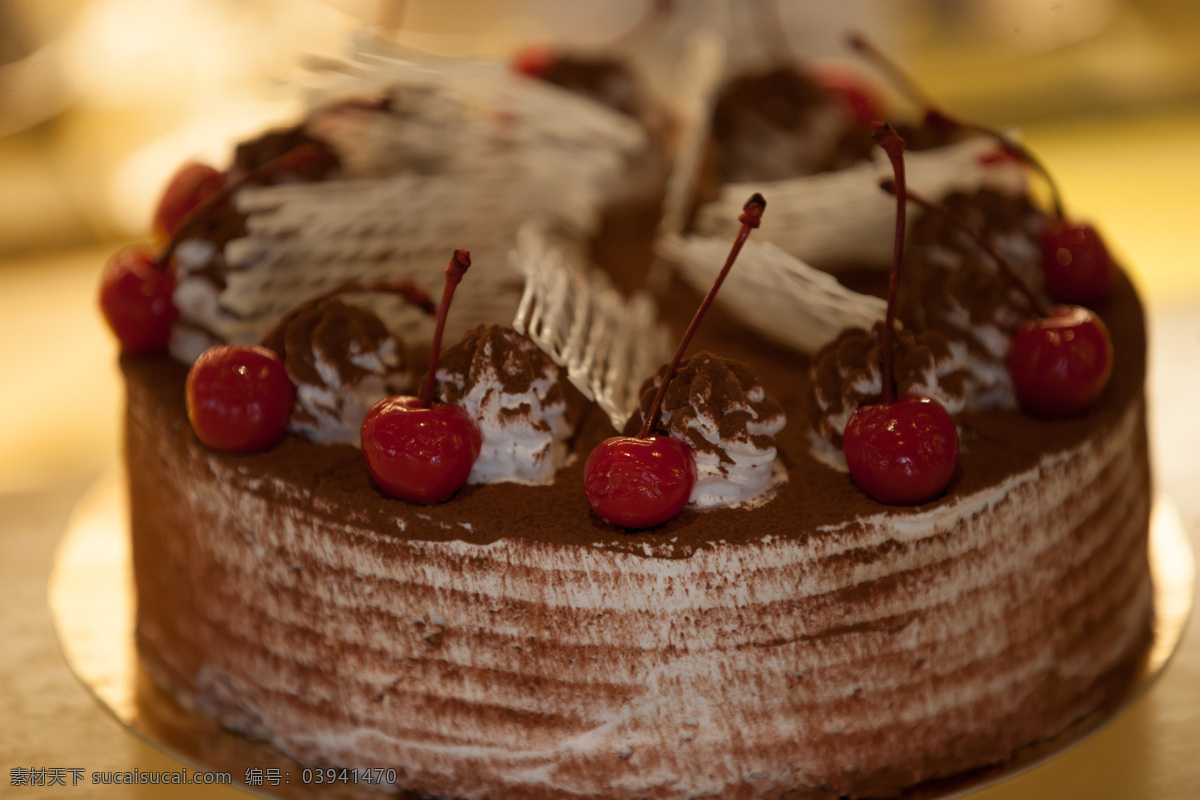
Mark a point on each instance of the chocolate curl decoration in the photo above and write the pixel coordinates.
(750, 218)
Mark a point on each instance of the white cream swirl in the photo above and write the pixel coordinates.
(343, 361)
(720, 411)
(516, 395)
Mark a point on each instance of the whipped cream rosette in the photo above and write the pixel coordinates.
(958, 290)
(719, 409)
(846, 374)
(342, 360)
(517, 397)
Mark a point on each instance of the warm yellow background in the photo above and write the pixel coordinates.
(1136, 171)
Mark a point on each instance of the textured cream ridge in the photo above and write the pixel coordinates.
(523, 667)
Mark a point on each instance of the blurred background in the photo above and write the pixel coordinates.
(100, 100)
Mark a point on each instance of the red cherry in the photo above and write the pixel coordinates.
(902, 453)
(1061, 362)
(239, 398)
(191, 185)
(639, 483)
(415, 449)
(135, 298)
(419, 454)
(644, 481)
(857, 97)
(1077, 265)
(534, 60)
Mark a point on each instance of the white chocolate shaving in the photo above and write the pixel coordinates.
(773, 292)
(607, 344)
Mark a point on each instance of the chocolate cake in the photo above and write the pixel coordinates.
(509, 643)
(799, 640)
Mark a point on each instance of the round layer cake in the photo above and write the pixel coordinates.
(508, 643)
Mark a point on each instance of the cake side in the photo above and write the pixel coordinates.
(817, 646)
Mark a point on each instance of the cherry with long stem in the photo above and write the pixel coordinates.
(1061, 359)
(899, 451)
(416, 449)
(1076, 261)
(644, 481)
(750, 218)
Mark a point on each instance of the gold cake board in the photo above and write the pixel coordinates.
(92, 602)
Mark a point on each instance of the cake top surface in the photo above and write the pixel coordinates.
(996, 444)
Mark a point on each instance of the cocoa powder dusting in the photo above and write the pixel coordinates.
(333, 332)
(724, 391)
(846, 373)
(495, 352)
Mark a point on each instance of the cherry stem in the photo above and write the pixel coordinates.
(887, 138)
(1006, 267)
(298, 155)
(750, 218)
(939, 119)
(273, 339)
(457, 268)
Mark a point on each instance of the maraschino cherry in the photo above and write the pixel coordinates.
(240, 397)
(643, 481)
(137, 285)
(1077, 264)
(135, 298)
(190, 186)
(899, 452)
(416, 449)
(1061, 359)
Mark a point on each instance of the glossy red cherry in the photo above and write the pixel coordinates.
(239, 398)
(1061, 362)
(422, 455)
(902, 453)
(643, 481)
(416, 449)
(1077, 265)
(639, 483)
(135, 298)
(191, 185)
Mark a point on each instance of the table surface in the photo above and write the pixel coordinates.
(59, 406)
